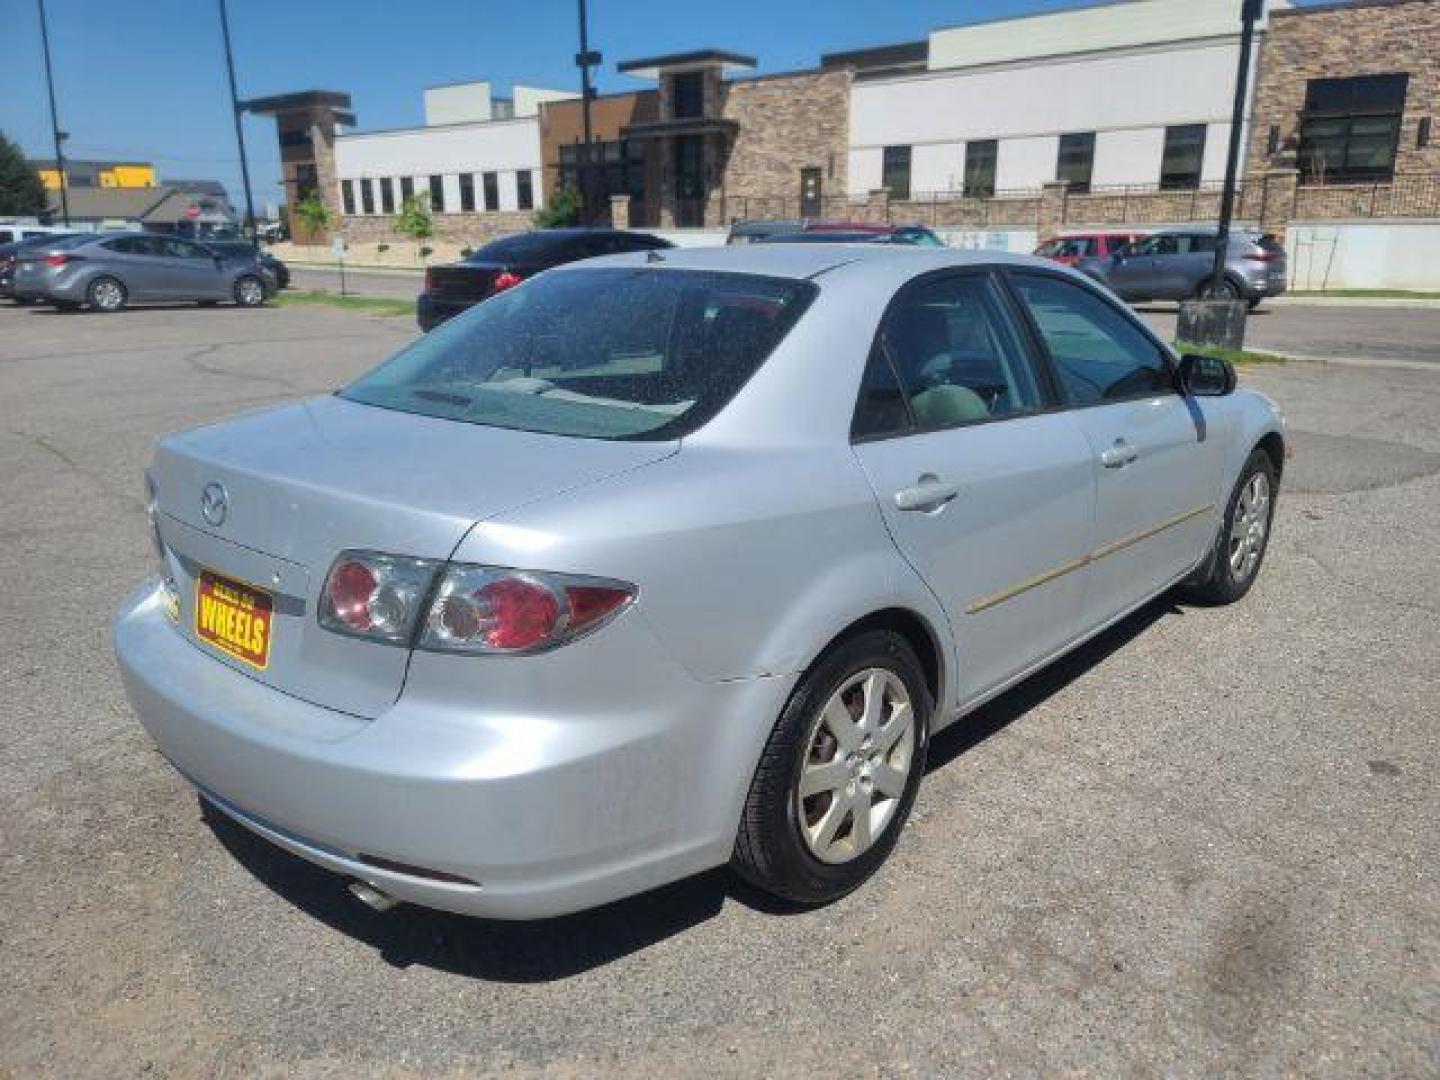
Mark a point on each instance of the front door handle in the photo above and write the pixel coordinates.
(929, 493)
(1119, 455)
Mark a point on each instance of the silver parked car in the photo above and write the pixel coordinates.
(663, 561)
(107, 271)
(1177, 264)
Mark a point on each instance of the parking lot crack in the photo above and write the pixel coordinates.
(195, 361)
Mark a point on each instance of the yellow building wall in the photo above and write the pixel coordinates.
(50, 178)
(128, 176)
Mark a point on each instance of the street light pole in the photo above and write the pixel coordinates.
(238, 113)
(584, 60)
(1249, 14)
(54, 122)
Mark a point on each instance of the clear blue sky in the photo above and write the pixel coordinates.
(145, 79)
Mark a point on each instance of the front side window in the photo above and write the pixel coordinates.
(609, 353)
(1097, 351)
(491, 184)
(895, 171)
(1184, 154)
(1076, 160)
(1350, 128)
(1161, 244)
(955, 355)
(980, 168)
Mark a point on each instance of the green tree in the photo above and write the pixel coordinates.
(314, 216)
(562, 211)
(21, 192)
(414, 221)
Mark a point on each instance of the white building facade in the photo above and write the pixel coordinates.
(476, 153)
(1134, 93)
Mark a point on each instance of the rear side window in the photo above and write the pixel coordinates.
(1097, 352)
(611, 353)
(953, 357)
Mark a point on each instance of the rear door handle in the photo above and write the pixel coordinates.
(929, 493)
(1119, 455)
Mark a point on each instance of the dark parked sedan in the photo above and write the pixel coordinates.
(506, 262)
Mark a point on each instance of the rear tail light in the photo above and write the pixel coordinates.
(1262, 256)
(56, 260)
(376, 596)
(464, 608)
(506, 280)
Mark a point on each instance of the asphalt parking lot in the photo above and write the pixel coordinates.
(1207, 844)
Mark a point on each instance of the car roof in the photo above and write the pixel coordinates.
(898, 262)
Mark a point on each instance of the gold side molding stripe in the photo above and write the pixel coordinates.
(1012, 591)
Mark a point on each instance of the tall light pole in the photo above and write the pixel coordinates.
(585, 60)
(1249, 13)
(54, 122)
(238, 113)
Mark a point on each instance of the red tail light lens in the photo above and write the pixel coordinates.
(56, 260)
(506, 280)
(377, 596)
(1263, 256)
(480, 609)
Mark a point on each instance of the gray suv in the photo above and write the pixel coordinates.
(109, 270)
(1176, 264)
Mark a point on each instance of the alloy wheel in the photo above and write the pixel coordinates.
(107, 295)
(250, 292)
(858, 757)
(1249, 526)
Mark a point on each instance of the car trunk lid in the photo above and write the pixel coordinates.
(254, 510)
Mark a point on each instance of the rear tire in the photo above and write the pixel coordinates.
(106, 295)
(1234, 562)
(249, 291)
(855, 733)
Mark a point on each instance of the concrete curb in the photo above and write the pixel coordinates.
(1420, 302)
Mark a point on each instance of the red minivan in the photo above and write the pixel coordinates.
(1070, 248)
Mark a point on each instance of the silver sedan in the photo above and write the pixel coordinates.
(661, 562)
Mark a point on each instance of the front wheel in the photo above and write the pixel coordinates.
(249, 291)
(839, 774)
(1234, 563)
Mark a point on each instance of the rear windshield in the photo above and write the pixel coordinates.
(607, 353)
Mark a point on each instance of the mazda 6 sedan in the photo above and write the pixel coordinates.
(670, 560)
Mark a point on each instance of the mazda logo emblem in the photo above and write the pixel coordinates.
(214, 503)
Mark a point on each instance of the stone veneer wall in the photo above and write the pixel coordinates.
(1363, 38)
(472, 229)
(787, 122)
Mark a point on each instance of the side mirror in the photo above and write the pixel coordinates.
(1206, 376)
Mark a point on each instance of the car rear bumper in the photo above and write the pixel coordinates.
(583, 799)
(431, 311)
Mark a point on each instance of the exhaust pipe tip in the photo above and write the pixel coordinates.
(371, 897)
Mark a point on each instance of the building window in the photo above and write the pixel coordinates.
(437, 194)
(307, 180)
(1184, 153)
(688, 88)
(407, 188)
(524, 194)
(347, 196)
(467, 192)
(367, 196)
(1351, 127)
(980, 168)
(491, 182)
(387, 196)
(895, 171)
(1076, 160)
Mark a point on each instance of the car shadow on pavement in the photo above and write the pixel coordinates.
(558, 948)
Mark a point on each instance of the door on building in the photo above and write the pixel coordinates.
(811, 192)
(689, 181)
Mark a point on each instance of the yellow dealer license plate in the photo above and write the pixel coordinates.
(234, 617)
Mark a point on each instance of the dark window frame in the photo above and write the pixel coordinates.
(687, 93)
(407, 188)
(387, 195)
(524, 190)
(1181, 139)
(347, 196)
(367, 195)
(1345, 103)
(978, 151)
(1077, 146)
(437, 193)
(490, 190)
(467, 193)
(895, 161)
